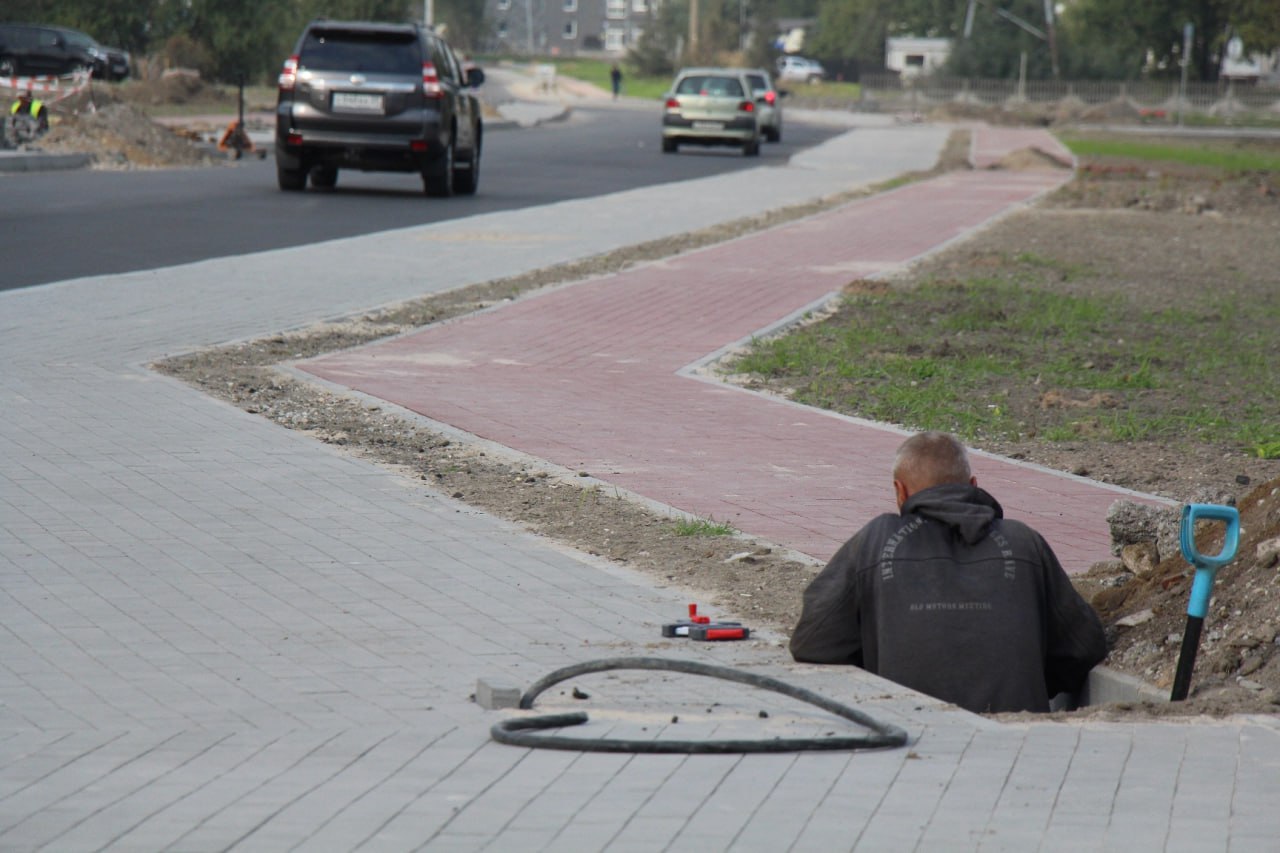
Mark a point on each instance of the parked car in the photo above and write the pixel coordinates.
(110, 63)
(711, 106)
(800, 70)
(768, 103)
(39, 49)
(379, 98)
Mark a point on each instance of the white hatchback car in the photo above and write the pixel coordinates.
(768, 103)
(711, 106)
(801, 70)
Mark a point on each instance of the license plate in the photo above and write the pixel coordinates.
(354, 102)
(708, 125)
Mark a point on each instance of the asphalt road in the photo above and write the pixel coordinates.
(64, 225)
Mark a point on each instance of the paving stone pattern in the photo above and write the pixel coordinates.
(219, 634)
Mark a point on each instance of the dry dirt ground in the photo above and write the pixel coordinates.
(111, 122)
(1161, 232)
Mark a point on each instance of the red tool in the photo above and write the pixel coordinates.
(702, 628)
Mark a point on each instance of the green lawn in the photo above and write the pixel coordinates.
(974, 357)
(1193, 152)
(597, 71)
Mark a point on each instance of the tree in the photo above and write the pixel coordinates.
(654, 53)
(1002, 34)
(466, 26)
(855, 31)
(1128, 38)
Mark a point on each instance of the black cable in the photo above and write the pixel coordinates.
(518, 731)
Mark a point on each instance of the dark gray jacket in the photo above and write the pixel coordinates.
(954, 600)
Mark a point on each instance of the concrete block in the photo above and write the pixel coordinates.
(493, 694)
(1107, 685)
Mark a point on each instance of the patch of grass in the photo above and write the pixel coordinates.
(1267, 450)
(1003, 359)
(596, 71)
(691, 526)
(1198, 152)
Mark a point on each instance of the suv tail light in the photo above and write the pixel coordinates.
(431, 87)
(289, 74)
(672, 104)
(770, 97)
(747, 107)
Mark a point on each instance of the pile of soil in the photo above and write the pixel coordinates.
(1166, 249)
(112, 122)
(119, 135)
(1143, 599)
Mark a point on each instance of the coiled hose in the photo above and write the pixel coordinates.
(520, 731)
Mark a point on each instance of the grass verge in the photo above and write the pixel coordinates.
(988, 358)
(1192, 152)
(690, 526)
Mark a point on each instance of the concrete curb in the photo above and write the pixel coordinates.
(40, 161)
(1107, 685)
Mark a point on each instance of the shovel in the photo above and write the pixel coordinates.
(1206, 567)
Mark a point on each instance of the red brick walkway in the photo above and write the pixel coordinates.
(586, 376)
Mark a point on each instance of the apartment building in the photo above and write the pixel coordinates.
(566, 27)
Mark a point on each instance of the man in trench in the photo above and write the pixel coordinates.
(949, 597)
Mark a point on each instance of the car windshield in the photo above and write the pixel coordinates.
(376, 53)
(723, 87)
(78, 39)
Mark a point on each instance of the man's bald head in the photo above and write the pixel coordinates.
(929, 459)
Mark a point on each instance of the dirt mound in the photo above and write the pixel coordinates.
(1117, 110)
(1025, 159)
(120, 135)
(1142, 599)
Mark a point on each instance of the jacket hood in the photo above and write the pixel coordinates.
(966, 509)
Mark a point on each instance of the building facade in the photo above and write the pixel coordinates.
(566, 27)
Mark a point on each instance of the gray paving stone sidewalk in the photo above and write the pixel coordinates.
(219, 634)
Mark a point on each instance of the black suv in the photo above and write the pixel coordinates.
(379, 98)
(41, 50)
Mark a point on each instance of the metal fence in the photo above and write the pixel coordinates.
(892, 92)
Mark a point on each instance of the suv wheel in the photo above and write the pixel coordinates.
(466, 179)
(291, 180)
(752, 148)
(437, 180)
(670, 146)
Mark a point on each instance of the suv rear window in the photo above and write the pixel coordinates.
(368, 53)
(725, 87)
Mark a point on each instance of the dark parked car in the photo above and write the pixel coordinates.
(39, 49)
(110, 63)
(379, 98)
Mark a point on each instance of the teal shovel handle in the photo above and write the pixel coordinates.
(1207, 564)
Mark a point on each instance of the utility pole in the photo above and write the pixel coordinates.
(1187, 32)
(1053, 38)
(693, 29)
(428, 14)
(528, 26)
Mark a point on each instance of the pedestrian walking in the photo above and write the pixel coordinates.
(615, 78)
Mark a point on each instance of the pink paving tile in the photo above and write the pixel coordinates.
(586, 376)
